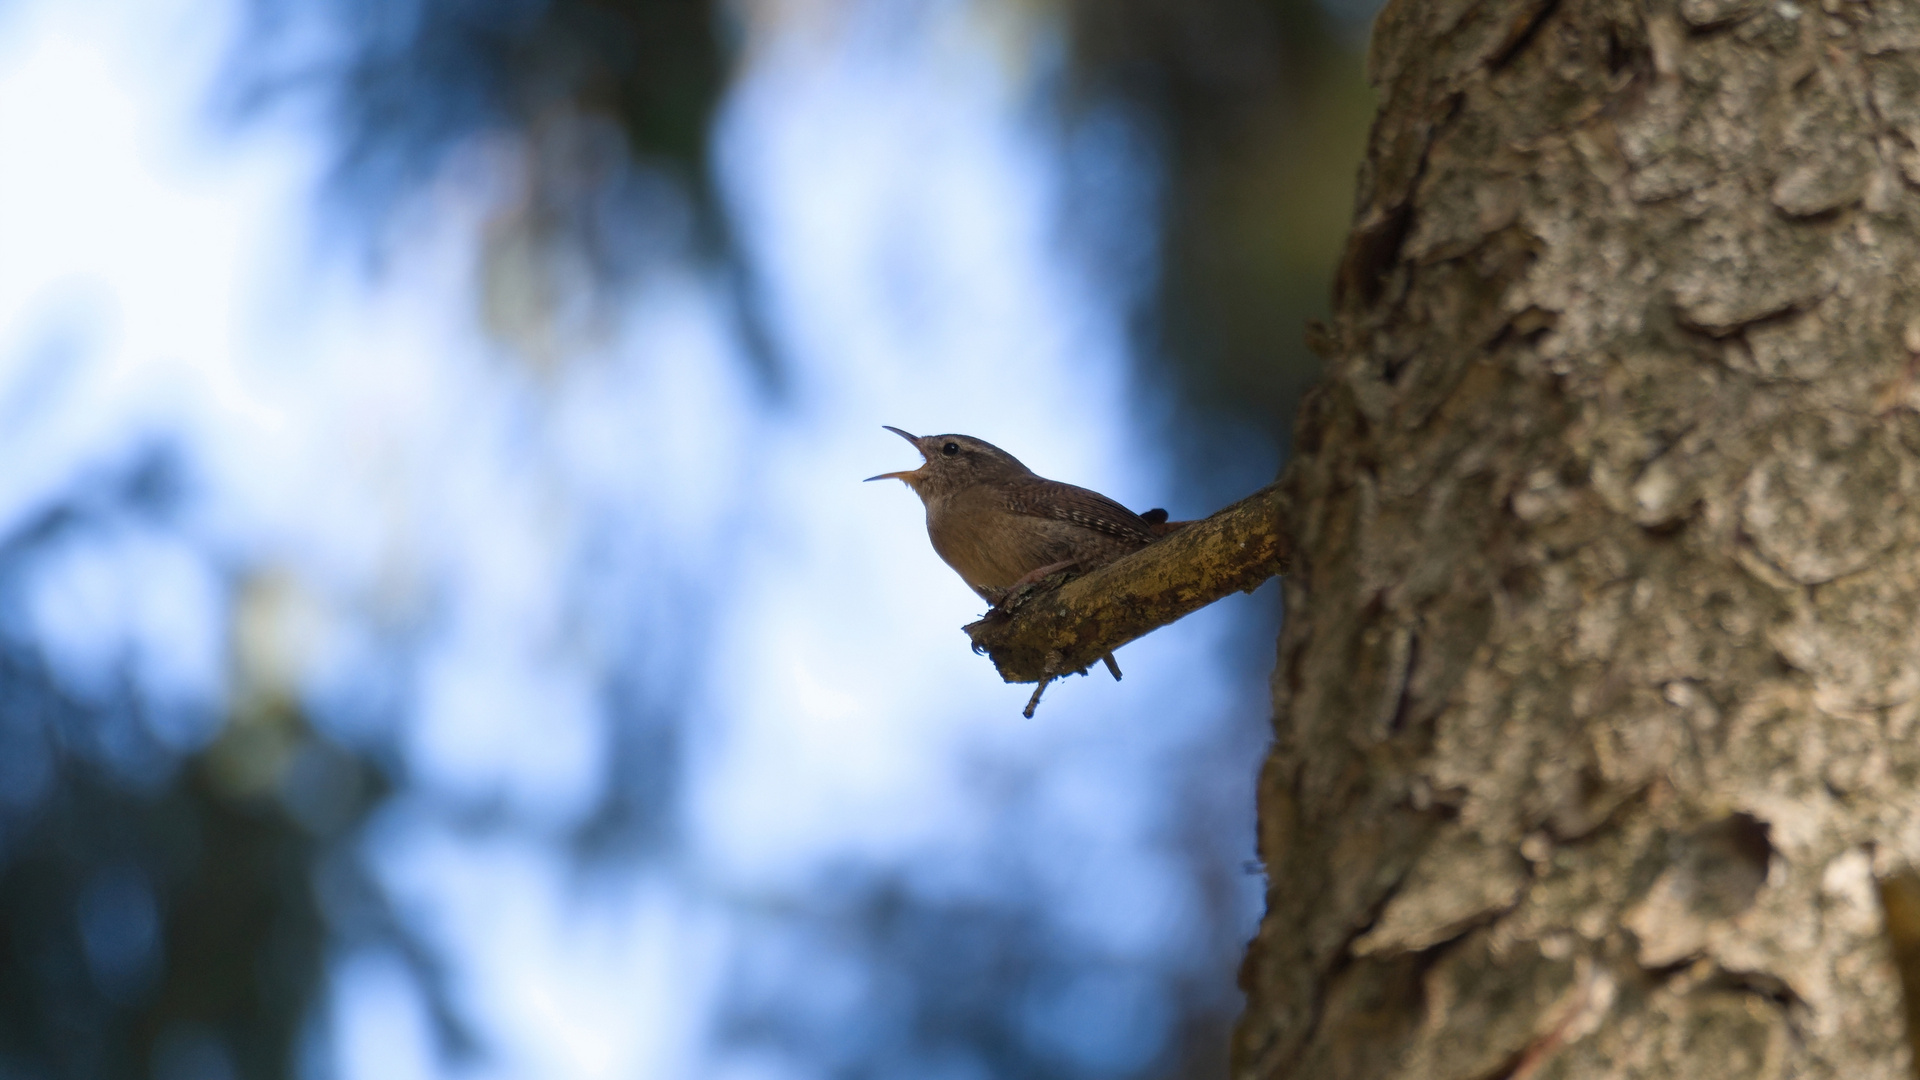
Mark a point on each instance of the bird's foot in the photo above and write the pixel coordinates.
(1035, 577)
(1006, 601)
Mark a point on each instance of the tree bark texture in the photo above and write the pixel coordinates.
(1598, 700)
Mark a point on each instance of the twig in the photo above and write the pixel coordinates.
(1065, 629)
(1034, 701)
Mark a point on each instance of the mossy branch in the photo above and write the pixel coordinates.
(1056, 631)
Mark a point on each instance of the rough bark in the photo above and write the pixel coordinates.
(1063, 630)
(1596, 704)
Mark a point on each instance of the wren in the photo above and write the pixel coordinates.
(1000, 526)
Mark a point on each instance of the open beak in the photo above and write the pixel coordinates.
(907, 476)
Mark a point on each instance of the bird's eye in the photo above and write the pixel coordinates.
(950, 449)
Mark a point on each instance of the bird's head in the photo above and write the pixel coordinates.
(953, 462)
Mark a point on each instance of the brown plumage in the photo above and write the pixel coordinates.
(1000, 526)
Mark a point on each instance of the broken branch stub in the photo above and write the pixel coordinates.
(1063, 630)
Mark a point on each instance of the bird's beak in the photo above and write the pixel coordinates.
(906, 476)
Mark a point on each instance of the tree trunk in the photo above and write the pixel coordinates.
(1598, 697)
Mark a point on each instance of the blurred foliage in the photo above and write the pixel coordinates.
(952, 988)
(1260, 108)
(169, 932)
(171, 919)
(604, 107)
(409, 79)
(868, 974)
(156, 917)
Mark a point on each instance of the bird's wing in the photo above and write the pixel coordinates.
(1051, 499)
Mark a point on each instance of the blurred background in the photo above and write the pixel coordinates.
(442, 628)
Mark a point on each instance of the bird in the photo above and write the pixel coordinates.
(1001, 526)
